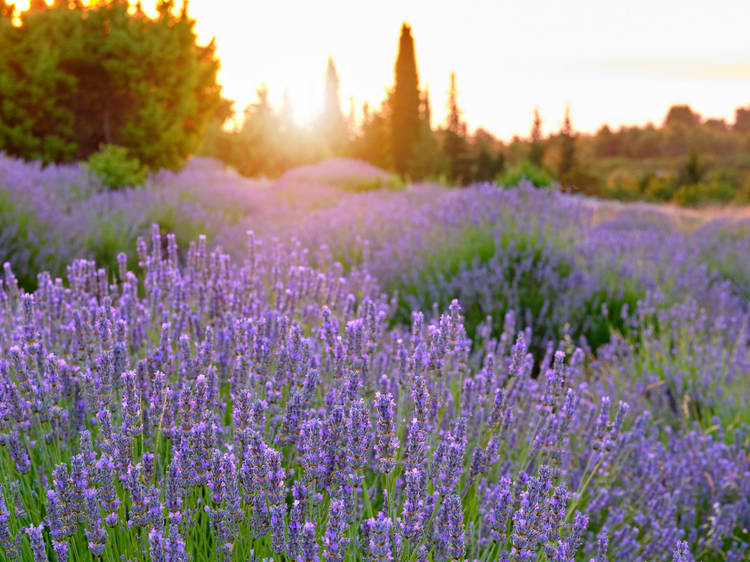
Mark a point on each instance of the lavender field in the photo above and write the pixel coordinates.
(335, 366)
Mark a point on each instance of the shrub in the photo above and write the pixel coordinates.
(525, 169)
(116, 168)
(704, 192)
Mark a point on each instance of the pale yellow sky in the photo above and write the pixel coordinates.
(619, 63)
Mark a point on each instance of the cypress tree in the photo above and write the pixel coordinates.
(405, 104)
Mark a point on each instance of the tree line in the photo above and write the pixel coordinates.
(396, 136)
(687, 158)
(131, 93)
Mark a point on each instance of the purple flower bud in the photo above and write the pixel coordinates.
(335, 536)
(36, 539)
(386, 443)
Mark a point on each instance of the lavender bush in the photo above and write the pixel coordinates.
(428, 374)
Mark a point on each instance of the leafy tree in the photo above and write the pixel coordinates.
(567, 147)
(606, 143)
(681, 114)
(536, 150)
(256, 150)
(35, 121)
(373, 144)
(76, 77)
(404, 102)
(742, 120)
(427, 160)
(332, 120)
(489, 161)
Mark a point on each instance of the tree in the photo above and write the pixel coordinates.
(454, 145)
(742, 120)
(681, 114)
(693, 171)
(404, 115)
(77, 77)
(332, 121)
(257, 148)
(536, 150)
(606, 143)
(486, 166)
(373, 142)
(427, 160)
(567, 147)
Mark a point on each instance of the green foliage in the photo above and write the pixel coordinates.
(693, 170)
(109, 237)
(704, 192)
(525, 170)
(391, 183)
(532, 261)
(116, 168)
(373, 144)
(76, 77)
(486, 167)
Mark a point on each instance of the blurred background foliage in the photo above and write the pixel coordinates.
(78, 80)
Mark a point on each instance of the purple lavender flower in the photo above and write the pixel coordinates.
(278, 525)
(309, 552)
(359, 439)
(174, 546)
(380, 537)
(681, 552)
(96, 533)
(296, 518)
(7, 541)
(156, 548)
(335, 540)
(500, 509)
(105, 479)
(414, 504)
(36, 539)
(386, 443)
(455, 527)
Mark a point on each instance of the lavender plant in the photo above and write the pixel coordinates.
(549, 384)
(220, 410)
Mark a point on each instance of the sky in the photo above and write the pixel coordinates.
(611, 62)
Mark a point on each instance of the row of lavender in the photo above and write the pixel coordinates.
(263, 408)
(274, 404)
(53, 215)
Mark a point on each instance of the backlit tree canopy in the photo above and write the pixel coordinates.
(74, 77)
